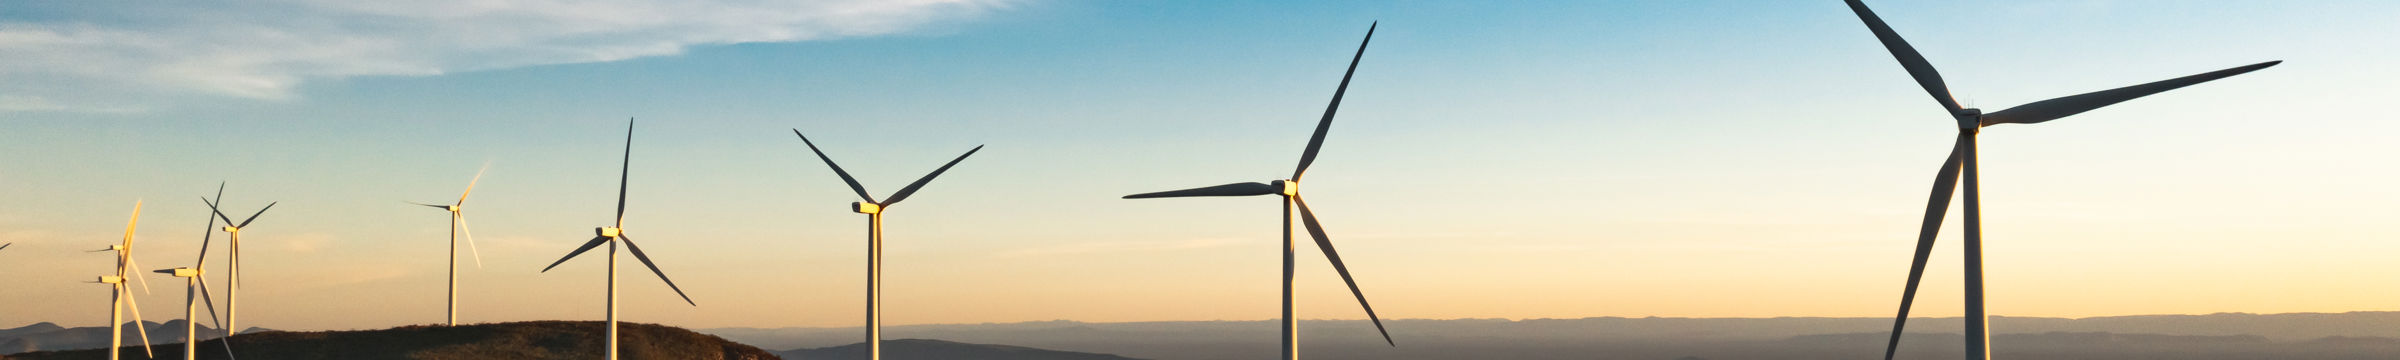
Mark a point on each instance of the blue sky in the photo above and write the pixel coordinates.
(1591, 158)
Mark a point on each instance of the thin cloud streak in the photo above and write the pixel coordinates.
(268, 49)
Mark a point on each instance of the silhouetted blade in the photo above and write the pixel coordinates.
(1234, 189)
(912, 187)
(837, 169)
(443, 207)
(212, 209)
(254, 216)
(462, 196)
(1915, 63)
(212, 223)
(1309, 218)
(5, 246)
(2046, 110)
(662, 275)
(227, 341)
(1935, 206)
(1317, 140)
(578, 251)
(625, 173)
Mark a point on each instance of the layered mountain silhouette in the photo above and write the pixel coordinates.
(48, 336)
(517, 340)
(916, 349)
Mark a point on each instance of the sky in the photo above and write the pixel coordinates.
(1511, 160)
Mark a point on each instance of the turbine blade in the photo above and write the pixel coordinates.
(578, 251)
(443, 207)
(5, 246)
(837, 169)
(1915, 63)
(662, 275)
(226, 341)
(462, 196)
(1323, 243)
(1936, 205)
(2046, 110)
(1234, 189)
(131, 264)
(1317, 140)
(912, 187)
(212, 209)
(205, 234)
(462, 228)
(261, 211)
(139, 326)
(625, 173)
(137, 218)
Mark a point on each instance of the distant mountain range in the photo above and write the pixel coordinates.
(2354, 335)
(518, 340)
(48, 336)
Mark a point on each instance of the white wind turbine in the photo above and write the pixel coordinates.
(874, 211)
(233, 260)
(119, 300)
(195, 292)
(612, 235)
(1962, 157)
(458, 224)
(1290, 191)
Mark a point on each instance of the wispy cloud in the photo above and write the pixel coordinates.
(1121, 247)
(65, 55)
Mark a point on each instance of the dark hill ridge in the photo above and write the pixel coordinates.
(48, 336)
(914, 349)
(517, 340)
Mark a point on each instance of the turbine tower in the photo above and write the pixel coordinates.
(1290, 191)
(458, 224)
(118, 299)
(612, 235)
(233, 261)
(1962, 158)
(874, 211)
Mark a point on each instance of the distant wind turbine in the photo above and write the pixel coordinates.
(118, 299)
(1290, 190)
(874, 211)
(195, 292)
(458, 224)
(233, 261)
(612, 235)
(1962, 156)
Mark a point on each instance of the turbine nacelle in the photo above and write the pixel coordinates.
(232, 229)
(863, 207)
(1286, 187)
(1969, 119)
(183, 272)
(608, 232)
(452, 208)
(111, 279)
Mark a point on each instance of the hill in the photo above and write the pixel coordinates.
(910, 349)
(48, 336)
(518, 340)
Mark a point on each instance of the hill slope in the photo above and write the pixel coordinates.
(911, 349)
(518, 340)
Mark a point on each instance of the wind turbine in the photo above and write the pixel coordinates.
(195, 292)
(118, 300)
(233, 261)
(1962, 156)
(612, 235)
(874, 210)
(458, 224)
(1290, 190)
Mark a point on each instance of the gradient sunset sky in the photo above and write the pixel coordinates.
(1492, 160)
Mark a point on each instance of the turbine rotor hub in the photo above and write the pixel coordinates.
(608, 231)
(863, 207)
(1970, 120)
